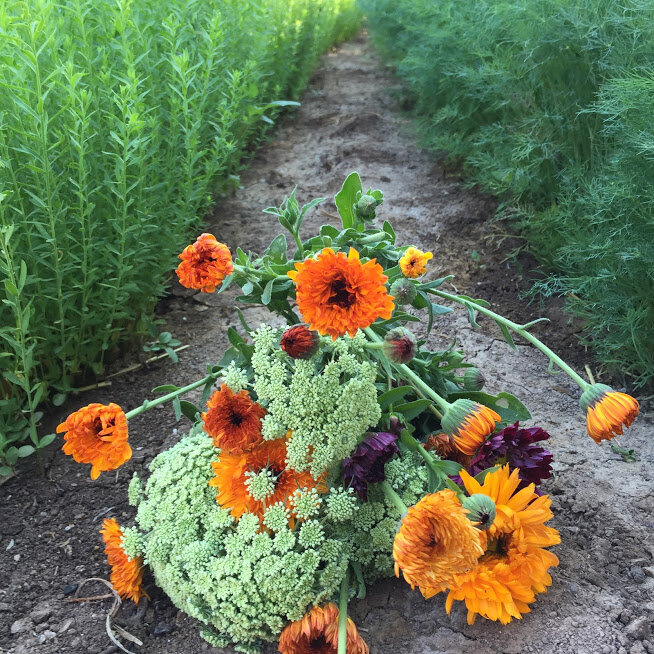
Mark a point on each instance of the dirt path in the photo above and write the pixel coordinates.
(602, 598)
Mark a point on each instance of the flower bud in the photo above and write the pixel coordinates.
(480, 509)
(396, 425)
(300, 342)
(404, 291)
(473, 379)
(399, 345)
(366, 206)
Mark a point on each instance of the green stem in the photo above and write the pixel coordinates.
(342, 614)
(520, 329)
(148, 404)
(412, 443)
(373, 238)
(409, 374)
(394, 498)
(298, 242)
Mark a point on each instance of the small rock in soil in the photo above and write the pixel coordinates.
(21, 625)
(40, 614)
(161, 628)
(69, 589)
(637, 574)
(639, 629)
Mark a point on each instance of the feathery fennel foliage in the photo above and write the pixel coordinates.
(118, 121)
(548, 105)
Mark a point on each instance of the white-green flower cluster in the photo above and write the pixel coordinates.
(243, 583)
(236, 379)
(327, 410)
(305, 502)
(260, 484)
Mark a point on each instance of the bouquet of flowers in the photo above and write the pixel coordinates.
(336, 450)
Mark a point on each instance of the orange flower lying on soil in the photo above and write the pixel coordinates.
(435, 540)
(97, 434)
(233, 420)
(317, 633)
(126, 574)
(413, 262)
(338, 295)
(231, 478)
(514, 567)
(608, 411)
(205, 264)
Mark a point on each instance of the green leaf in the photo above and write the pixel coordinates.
(11, 287)
(189, 409)
(435, 283)
(346, 197)
(59, 399)
(482, 475)
(25, 450)
(412, 409)
(277, 249)
(46, 440)
(5, 471)
(247, 288)
(393, 395)
(267, 292)
(507, 334)
(177, 407)
(449, 468)
(509, 407)
(166, 388)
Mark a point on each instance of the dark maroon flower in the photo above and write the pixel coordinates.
(399, 345)
(366, 464)
(300, 342)
(518, 448)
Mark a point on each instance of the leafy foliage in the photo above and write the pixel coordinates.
(118, 121)
(548, 104)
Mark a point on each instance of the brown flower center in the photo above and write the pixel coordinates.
(339, 295)
(317, 645)
(236, 419)
(497, 547)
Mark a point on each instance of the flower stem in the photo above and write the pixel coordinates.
(519, 329)
(394, 498)
(412, 443)
(409, 374)
(148, 404)
(342, 614)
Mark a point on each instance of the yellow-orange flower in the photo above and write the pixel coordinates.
(514, 567)
(414, 262)
(607, 411)
(435, 541)
(469, 423)
(205, 264)
(97, 434)
(126, 574)
(233, 420)
(317, 633)
(338, 295)
(231, 479)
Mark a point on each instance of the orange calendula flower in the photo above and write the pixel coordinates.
(435, 540)
(97, 434)
(234, 470)
(413, 262)
(515, 565)
(126, 574)
(469, 423)
(205, 264)
(607, 411)
(337, 294)
(233, 420)
(317, 633)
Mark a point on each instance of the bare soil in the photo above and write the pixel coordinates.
(602, 597)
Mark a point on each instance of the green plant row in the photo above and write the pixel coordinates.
(549, 104)
(118, 122)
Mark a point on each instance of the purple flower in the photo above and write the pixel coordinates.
(366, 464)
(518, 448)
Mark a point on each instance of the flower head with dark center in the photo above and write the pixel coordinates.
(517, 447)
(413, 262)
(97, 434)
(205, 264)
(317, 633)
(338, 295)
(233, 420)
(366, 464)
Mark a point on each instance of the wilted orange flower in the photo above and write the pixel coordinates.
(126, 574)
(231, 479)
(443, 445)
(338, 295)
(97, 434)
(514, 567)
(205, 264)
(414, 262)
(607, 411)
(469, 423)
(233, 420)
(317, 633)
(299, 342)
(435, 541)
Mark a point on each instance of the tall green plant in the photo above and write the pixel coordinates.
(548, 105)
(118, 122)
